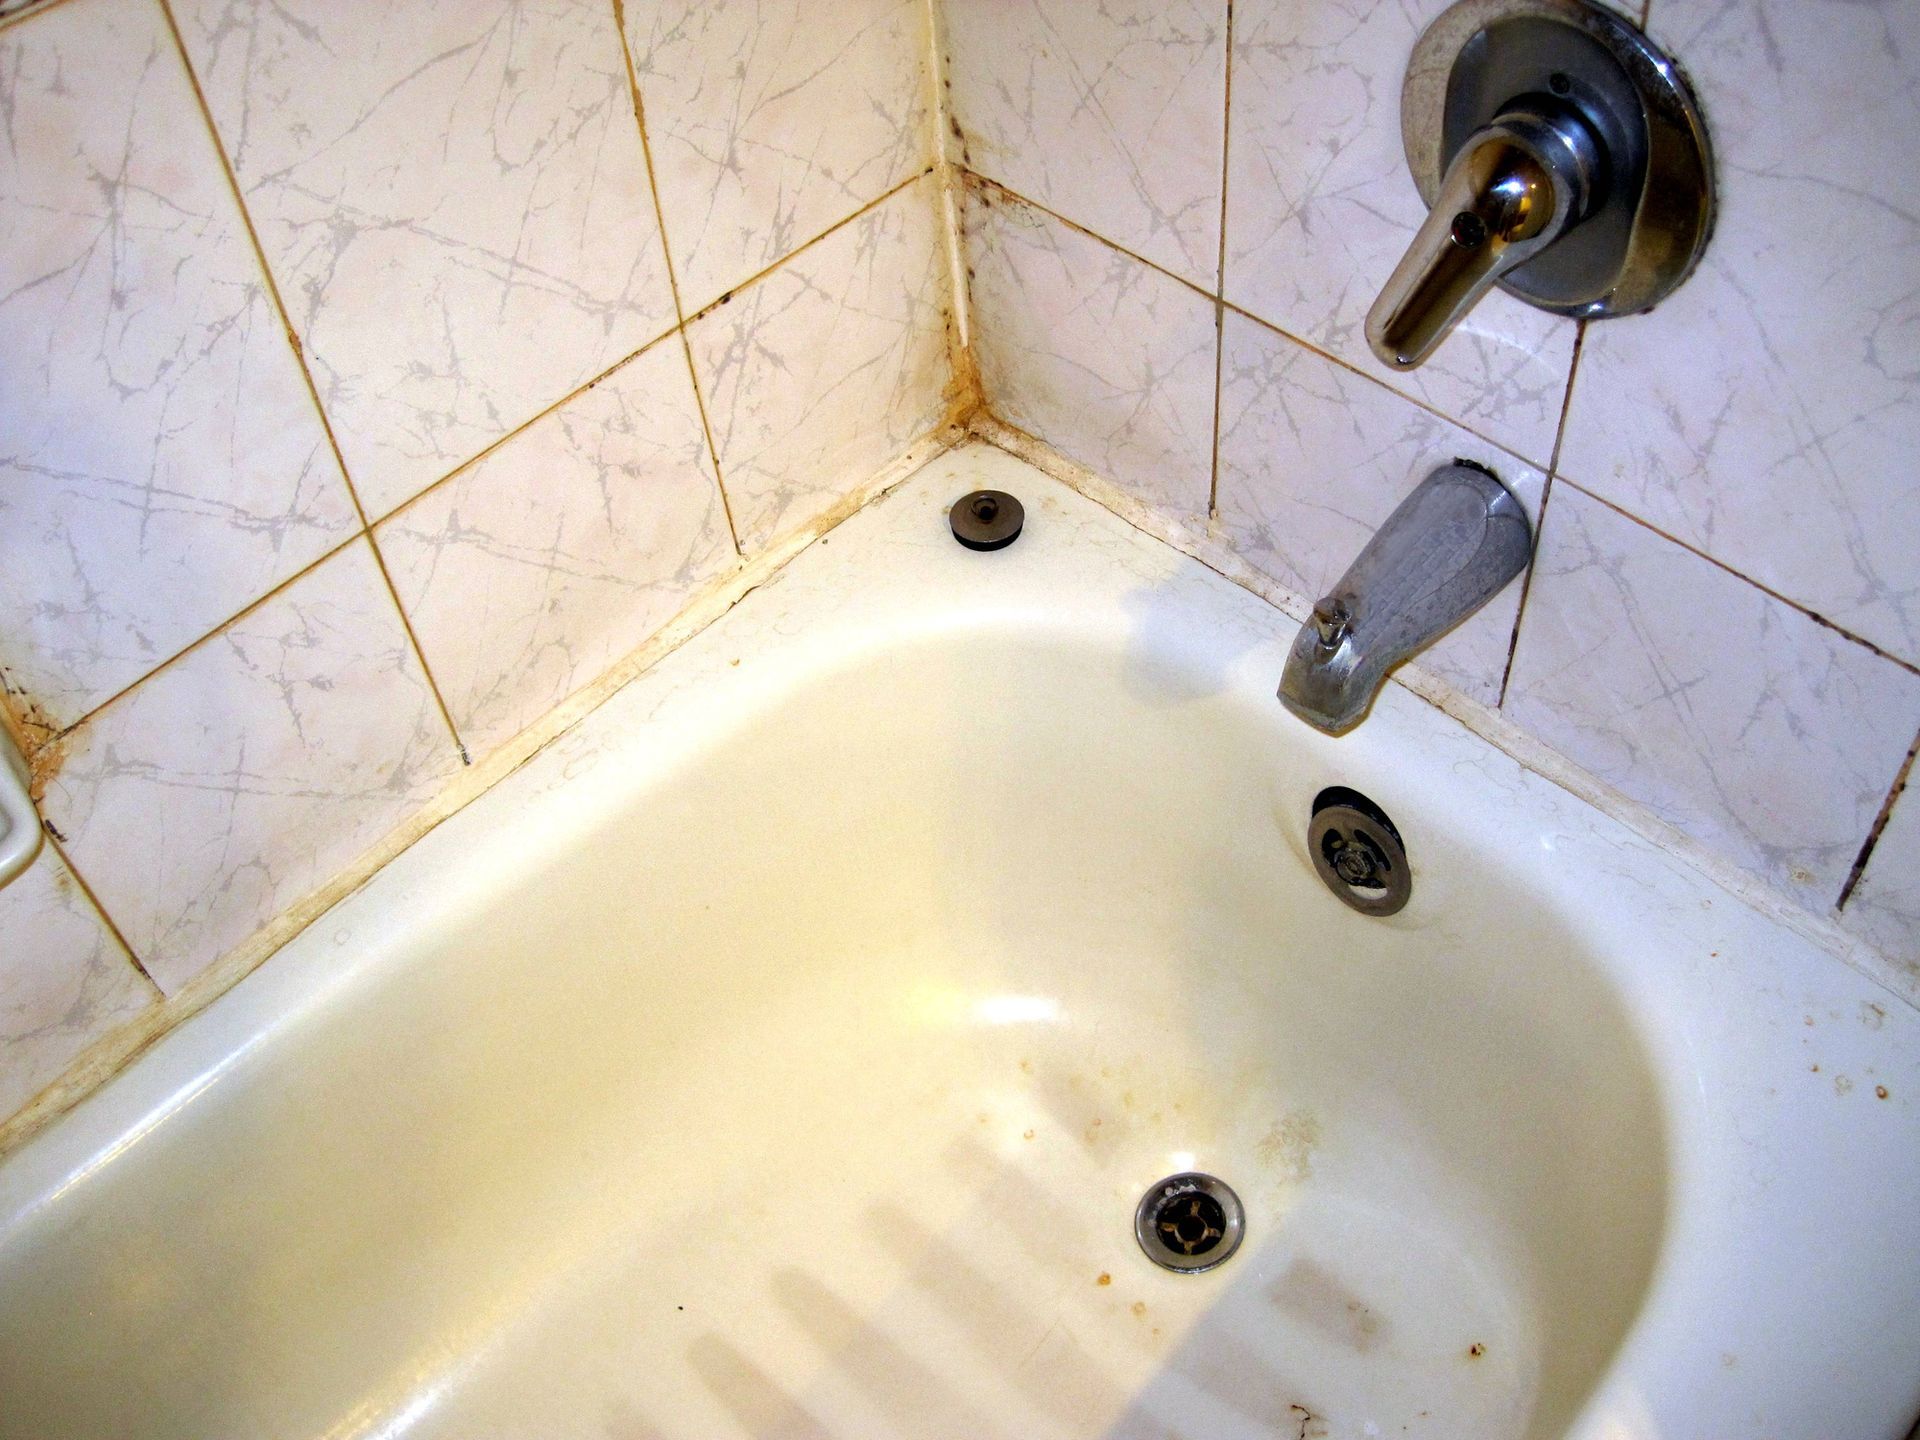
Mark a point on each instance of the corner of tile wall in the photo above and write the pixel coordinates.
(1729, 466)
(338, 461)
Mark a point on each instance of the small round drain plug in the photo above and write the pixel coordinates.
(1190, 1222)
(987, 519)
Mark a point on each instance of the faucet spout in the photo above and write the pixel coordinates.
(1450, 547)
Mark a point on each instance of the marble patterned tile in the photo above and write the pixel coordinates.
(530, 573)
(234, 782)
(1767, 412)
(1884, 908)
(1113, 115)
(64, 980)
(821, 372)
(1730, 714)
(1107, 359)
(446, 292)
(1313, 458)
(161, 462)
(769, 122)
(1320, 207)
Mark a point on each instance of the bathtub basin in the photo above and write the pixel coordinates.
(783, 1051)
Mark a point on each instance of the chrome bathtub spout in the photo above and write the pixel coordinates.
(1451, 546)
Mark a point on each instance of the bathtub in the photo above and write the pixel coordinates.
(783, 1052)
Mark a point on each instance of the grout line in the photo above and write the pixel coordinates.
(1814, 615)
(93, 899)
(1540, 526)
(673, 277)
(1220, 273)
(7, 22)
(306, 374)
(525, 425)
(838, 225)
(1859, 869)
(218, 630)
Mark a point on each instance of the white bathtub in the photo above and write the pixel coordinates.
(783, 1051)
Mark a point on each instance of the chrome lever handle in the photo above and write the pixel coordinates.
(1517, 185)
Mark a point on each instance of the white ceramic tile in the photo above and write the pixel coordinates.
(237, 780)
(161, 462)
(1732, 715)
(1113, 115)
(64, 980)
(1105, 358)
(530, 573)
(455, 203)
(1885, 906)
(1321, 205)
(770, 120)
(1767, 412)
(822, 371)
(1314, 457)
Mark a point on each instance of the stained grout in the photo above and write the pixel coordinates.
(1879, 826)
(673, 276)
(1540, 525)
(299, 349)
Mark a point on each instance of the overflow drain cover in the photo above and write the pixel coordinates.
(987, 519)
(1189, 1223)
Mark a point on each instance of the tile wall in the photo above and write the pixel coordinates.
(374, 381)
(1177, 217)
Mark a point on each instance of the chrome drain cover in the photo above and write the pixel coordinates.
(1189, 1222)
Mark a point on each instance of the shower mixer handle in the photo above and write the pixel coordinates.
(1517, 185)
(1562, 158)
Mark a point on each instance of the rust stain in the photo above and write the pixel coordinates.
(1026, 1135)
(1476, 1350)
(44, 764)
(1105, 1279)
(1880, 1091)
(1139, 1308)
(1871, 1015)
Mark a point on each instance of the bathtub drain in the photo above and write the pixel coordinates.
(1189, 1222)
